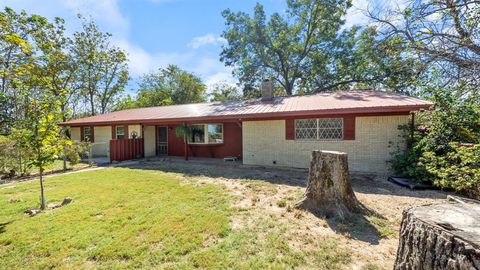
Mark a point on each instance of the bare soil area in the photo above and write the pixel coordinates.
(263, 199)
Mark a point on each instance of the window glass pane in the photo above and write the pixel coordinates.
(198, 134)
(120, 132)
(330, 128)
(86, 134)
(215, 133)
(306, 129)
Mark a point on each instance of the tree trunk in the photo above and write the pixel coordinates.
(64, 133)
(443, 236)
(186, 147)
(328, 190)
(42, 192)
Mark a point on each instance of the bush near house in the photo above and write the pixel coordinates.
(443, 147)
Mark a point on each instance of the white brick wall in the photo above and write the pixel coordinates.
(75, 134)
(264, 142)
(101, 145)
(137, 128)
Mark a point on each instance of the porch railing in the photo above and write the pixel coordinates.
(126, 149)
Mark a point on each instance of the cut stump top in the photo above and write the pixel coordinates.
(459, 219)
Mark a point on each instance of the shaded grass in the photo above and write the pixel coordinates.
(119, 218)
(57, 165)
(385, 230)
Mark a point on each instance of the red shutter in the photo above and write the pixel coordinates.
(290, 129)
(349, 127)
(82, 134)
(92, 134)
(114, 133)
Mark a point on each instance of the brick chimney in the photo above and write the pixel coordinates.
(267, 90)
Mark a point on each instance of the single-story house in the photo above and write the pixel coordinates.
(269, 131)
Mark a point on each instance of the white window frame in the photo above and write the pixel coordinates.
(85, 134)
(318, 130)
(205, 137)
(116, 132)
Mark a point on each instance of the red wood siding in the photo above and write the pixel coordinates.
(290, 129)
(92, 134)
(114, 133)
(231, 146)
(126, 149)
(349, 128)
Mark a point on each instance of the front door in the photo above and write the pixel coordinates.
(162, 141)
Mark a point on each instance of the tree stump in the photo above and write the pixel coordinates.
(443, 236)
(329, 192)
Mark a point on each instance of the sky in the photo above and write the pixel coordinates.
(155, 33)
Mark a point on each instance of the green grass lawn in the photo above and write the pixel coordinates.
(125, 218)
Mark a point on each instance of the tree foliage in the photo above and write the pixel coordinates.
(102, 68)
(307, 50)
(223, 91)
(443, 34)
(437, 142)
(167, 86)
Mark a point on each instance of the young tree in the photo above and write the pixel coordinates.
(102, 71)
(184, 132)
(44, 136)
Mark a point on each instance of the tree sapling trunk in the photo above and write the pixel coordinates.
(42, 192)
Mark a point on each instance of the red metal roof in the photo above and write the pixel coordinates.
(330, 103)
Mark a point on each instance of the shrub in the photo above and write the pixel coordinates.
(433, 154)
(15, 156)
(76, 151)
(458, 169)
(7, 160)
(282, 203)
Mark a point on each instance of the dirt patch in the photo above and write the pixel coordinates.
(267, 195)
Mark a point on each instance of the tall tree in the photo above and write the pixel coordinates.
(168, 86)
(101, 68)
(280, 47)
(20, 34)
(223, 91)
(358, 58)
(444, 34)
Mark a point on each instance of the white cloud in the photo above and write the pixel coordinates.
(105, 12)
(109, 17)
(208, 39)
(356, 14)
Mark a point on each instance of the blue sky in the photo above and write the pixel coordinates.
(156, 33)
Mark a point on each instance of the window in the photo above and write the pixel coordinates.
(120, 132)
(319, 129)
(87, 134)
(198, 134)
(206, 134)
(215, 133)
